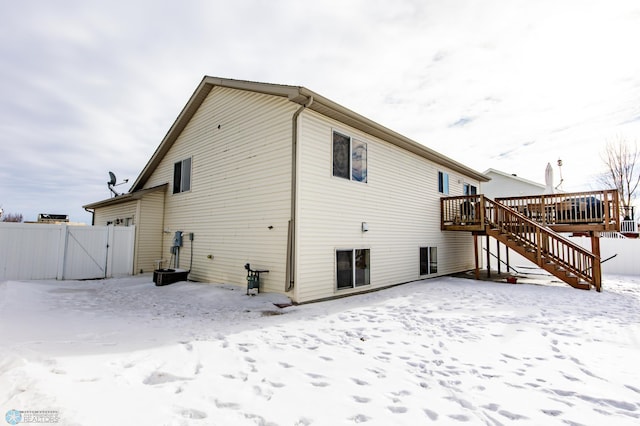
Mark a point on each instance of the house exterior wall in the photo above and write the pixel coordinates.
(509, 186)
(148, 216)
(149, 232)
(238, 206)
(110, 214)
(400, 203)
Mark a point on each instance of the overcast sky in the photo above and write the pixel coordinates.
(89, 87)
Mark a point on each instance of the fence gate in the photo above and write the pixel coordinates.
(85, 253)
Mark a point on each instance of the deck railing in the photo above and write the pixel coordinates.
(477, 213)
(464, 211)
(628, 227)
(548, 245)
(575, 208)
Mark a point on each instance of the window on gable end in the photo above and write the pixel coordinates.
(182, 176)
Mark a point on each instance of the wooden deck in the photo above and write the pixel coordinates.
(571, 212)
(594, 211)
(532, 225)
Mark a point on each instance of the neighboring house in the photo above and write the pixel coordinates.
(328, 201)
(509, 185)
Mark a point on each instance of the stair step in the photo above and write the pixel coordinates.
(527, 248)
(581, 285)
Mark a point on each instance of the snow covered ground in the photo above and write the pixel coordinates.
(442, 351)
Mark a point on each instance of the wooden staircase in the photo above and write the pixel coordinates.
(541, 245)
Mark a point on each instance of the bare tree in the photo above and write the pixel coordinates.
(623, 171)
(12, 217)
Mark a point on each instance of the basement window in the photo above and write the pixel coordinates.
(182, 176)
(428, 260)
(352, 268)
(349, 158)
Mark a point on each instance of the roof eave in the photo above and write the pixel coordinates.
(299, 95)
(123, 198)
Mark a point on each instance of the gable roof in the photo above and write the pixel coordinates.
(299, 95)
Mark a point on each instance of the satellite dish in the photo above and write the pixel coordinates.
(112, 183)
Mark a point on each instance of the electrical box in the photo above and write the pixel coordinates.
(177, 239)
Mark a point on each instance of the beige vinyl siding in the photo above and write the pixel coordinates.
(400, 203)
(104, 215)
(239, 203)
(149, 232)
(147, 214)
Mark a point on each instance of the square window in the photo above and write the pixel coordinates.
(352, 268)
(349, 158)
(182, 176)
(470, 189)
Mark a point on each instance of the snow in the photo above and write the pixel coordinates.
(440, 351)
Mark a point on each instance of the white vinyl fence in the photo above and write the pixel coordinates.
(621, 256)
(625, 250)
(42, 251)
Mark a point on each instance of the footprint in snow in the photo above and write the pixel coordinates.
(359, 382)
(459, 417)
(160, 377)
(360, 418)
(512, 416)
(191, 413)
(431, 414)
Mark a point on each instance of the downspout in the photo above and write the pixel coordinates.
(291, 241)
(93, 216)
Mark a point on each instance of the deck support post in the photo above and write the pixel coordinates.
(498, 254)
(475, 252)
(506, 250)
(595, 249)
(488, 258)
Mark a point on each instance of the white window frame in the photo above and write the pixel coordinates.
(181, 186)
(354, 269)
(430, 251)
(352, 141)
(466, 189)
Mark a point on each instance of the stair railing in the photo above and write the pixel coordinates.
(546, 244)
